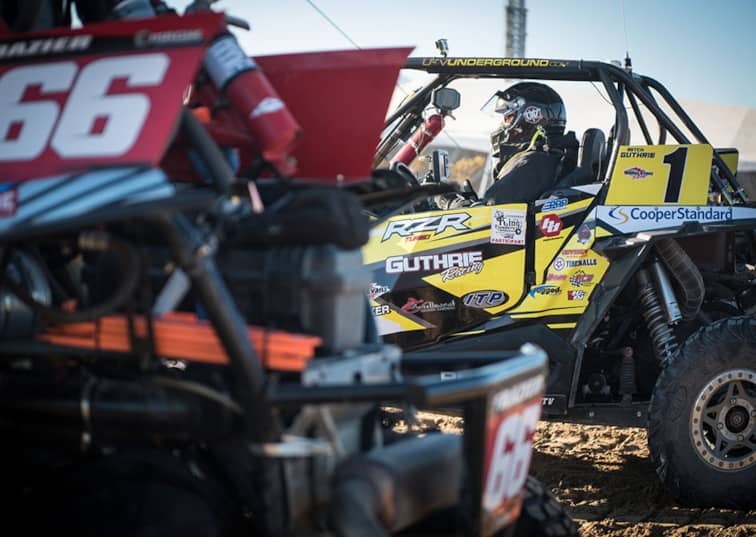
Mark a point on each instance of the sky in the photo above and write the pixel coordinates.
(700, 50)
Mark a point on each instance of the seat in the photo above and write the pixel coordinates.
(591, 162)
(592, 154)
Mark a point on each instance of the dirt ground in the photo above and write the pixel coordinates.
(605, 478)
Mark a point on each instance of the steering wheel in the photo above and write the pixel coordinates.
(405, 173)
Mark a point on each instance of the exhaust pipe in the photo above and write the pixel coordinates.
(396, 486)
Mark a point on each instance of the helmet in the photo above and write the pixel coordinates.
(526, 106)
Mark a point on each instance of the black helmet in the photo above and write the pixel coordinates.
(526, 106)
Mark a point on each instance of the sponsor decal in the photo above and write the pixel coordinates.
(429, 225)
(620, 215)
(508, 227)
(491, 62)
(146, 38)
(485, 299)
(637, 173)
(575, 294)
(550, 225)
(434, 263)
(556, 277)
(545, 290)
(532, 114)
(631, 219)
(570, 263)
(637, 152)
(554, 205)
(457, 272)
(50, 45)
(413, 238)
(584, 234)
(548, 401)
(580, 252)
(509, 397)
(267, 106)
(8, 201)
(383, 309)
(580, 278)
(416, 305)
(558, 264)
(377, 290)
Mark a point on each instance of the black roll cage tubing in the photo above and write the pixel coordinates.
(616, 81)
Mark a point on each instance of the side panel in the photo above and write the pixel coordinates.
(104, 94)
(442, 271)
(566, 268)
(661, 174)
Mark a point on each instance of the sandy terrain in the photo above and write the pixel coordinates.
(605, 478)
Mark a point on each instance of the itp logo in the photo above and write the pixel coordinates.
(618, 214)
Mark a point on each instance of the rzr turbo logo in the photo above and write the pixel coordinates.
(432, 224)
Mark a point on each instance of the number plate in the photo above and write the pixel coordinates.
(513, 418)
(104, 94)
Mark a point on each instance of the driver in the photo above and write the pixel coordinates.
(532, 150)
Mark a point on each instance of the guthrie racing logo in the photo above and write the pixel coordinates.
(451, 265)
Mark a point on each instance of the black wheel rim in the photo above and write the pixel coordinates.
(723, 421)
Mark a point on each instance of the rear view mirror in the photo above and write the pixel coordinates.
(446, 99)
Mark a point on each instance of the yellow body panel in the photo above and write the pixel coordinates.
(502, 273)
(661, 174)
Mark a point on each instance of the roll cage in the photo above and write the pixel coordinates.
(620, 84)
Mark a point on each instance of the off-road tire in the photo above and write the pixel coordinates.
(542, 515)
(722, 353)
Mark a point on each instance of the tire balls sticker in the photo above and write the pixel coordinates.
(508, 226)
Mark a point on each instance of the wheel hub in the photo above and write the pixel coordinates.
(723, 421)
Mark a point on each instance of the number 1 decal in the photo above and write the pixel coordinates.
(676, 162)
(92, 123)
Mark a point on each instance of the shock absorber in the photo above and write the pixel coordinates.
(662, 335)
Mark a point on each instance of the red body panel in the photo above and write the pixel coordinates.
(142, 69)
(340, 99)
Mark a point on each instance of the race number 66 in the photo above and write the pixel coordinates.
(510, 457)
(91, 122)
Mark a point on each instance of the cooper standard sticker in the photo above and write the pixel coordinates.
(508, 226)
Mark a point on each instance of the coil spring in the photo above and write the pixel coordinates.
(662, 336)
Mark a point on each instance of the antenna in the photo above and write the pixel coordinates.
(515, 36)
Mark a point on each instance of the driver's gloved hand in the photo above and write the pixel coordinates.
(451, 200)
